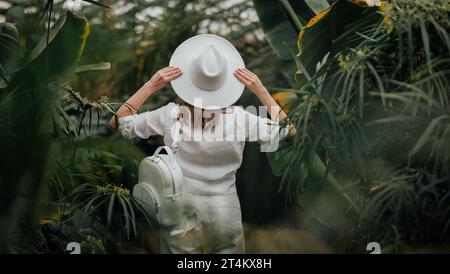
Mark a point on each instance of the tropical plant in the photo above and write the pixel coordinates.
(50, 154)
(372, 117)
(105, 199)
(25, 100)
(54, 114)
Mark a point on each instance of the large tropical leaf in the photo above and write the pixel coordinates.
(26, 124)
(284, 99)
(343, 25)
(11, 52)
(281, 22)
(57, 58)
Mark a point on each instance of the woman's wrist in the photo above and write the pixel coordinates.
(262, 93)
(149, 88)
(134, 103)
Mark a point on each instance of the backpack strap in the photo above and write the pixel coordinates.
(169, 153)
(177, 116)
(174, 168)
(174, 145)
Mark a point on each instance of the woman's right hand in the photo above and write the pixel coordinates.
(163, 76)
(159, 80)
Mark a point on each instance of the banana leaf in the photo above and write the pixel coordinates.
(313, 179)
(281, 22)
(11, 53)
(26, 123)
(333, 30)
(56, 59)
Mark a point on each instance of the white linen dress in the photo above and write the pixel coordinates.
(209, 168)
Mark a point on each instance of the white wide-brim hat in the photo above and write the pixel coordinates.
(208, 62)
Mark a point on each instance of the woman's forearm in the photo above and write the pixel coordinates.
(274, 110)
(132, 105)
(254, 84)
(157, 82)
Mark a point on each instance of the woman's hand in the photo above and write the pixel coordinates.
(162, 77)
(251, 81)
(159, 80)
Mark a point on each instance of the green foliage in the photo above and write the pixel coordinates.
(10, 51)
(281, 21)
(116, 201)
(26, 101)
(54, 100)
(93, 245)
(50, 153)
(66, 39)
(369, 161)
(341, 26)
(375, 110)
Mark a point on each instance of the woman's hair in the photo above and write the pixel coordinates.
(191, 110)
(180, 102)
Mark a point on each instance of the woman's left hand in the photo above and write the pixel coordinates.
(250, 80)
(163, 76)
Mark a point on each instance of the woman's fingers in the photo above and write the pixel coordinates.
(248, 74)
(240, 73)
(243, 71)
(250, 80)
(174, 75)
(245, 75)
(165, 71)
(170, 74)
(241, 78)
(169, 69)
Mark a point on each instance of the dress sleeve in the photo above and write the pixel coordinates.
(264, 131)
(146, 124)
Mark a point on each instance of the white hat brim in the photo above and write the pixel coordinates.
(183, 86)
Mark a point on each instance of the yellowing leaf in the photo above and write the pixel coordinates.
(284, 98)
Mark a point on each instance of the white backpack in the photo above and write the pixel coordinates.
(159, 189)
